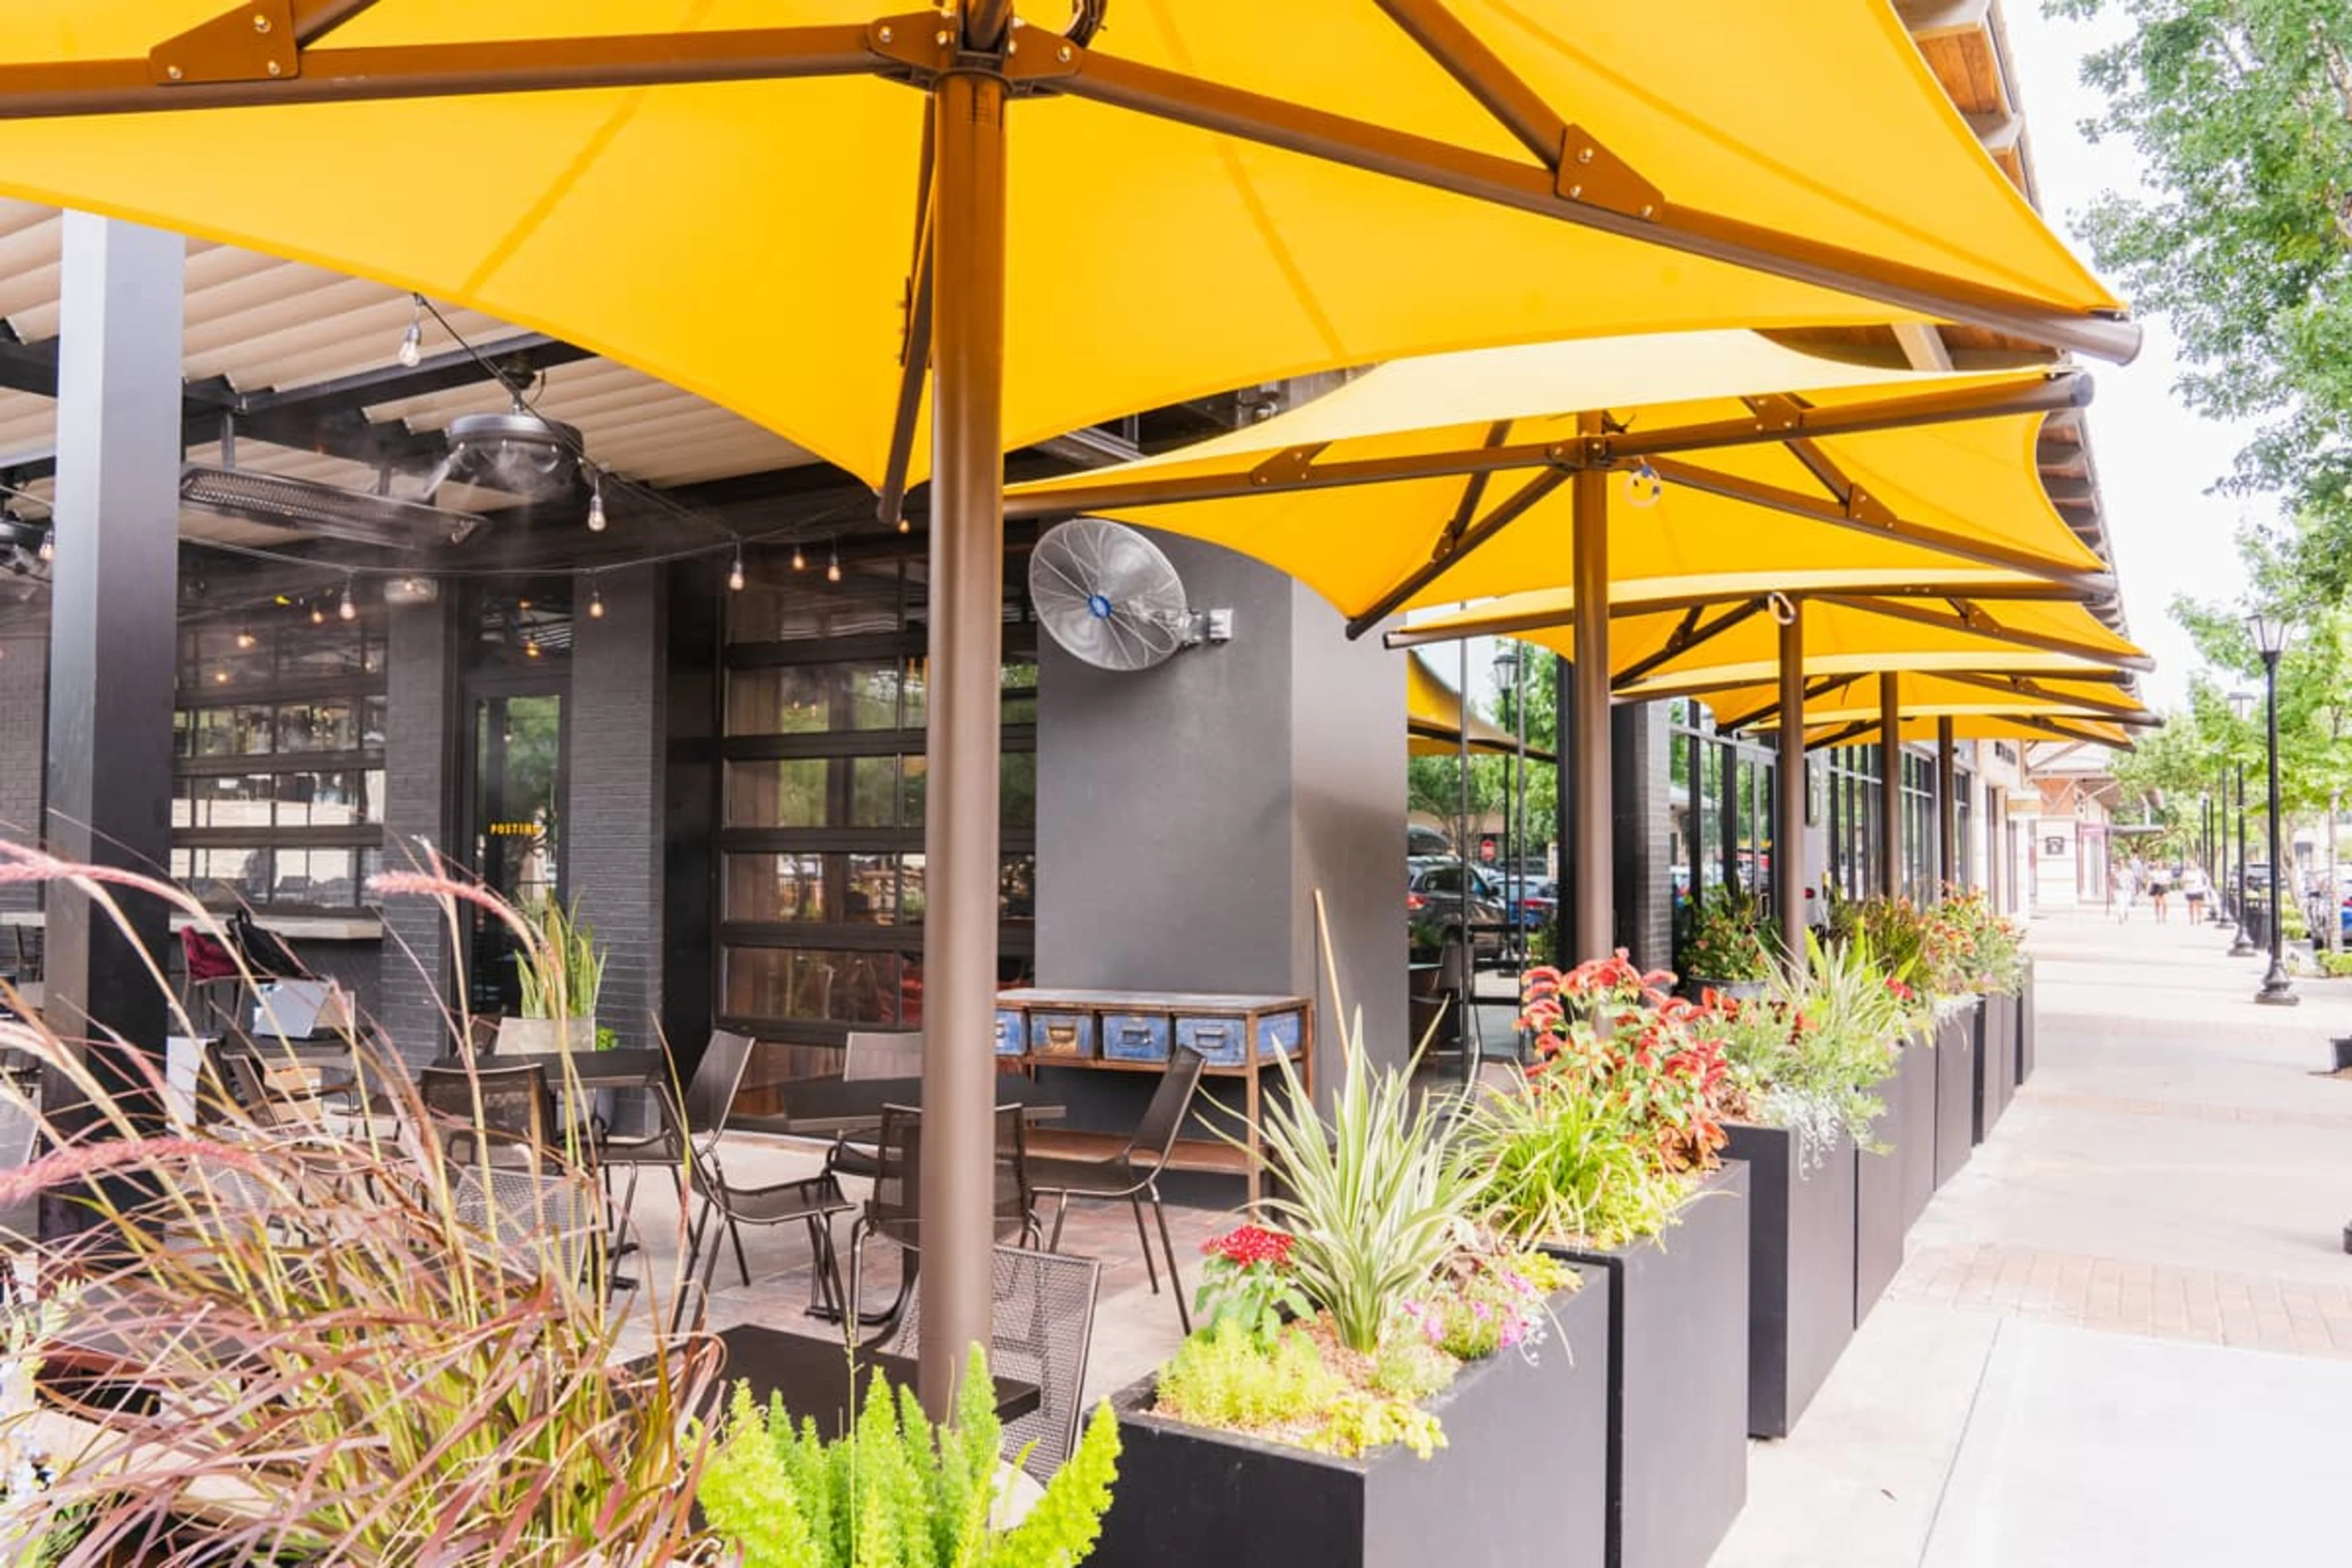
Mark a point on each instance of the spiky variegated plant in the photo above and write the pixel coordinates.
(1376, 1197)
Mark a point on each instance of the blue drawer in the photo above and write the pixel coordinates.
(1012, 1032)
(1053, 1034)
(1134, 1036)
(1222, 1041)
(1277, 1034)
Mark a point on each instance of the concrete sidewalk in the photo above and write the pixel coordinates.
(2124, 1332)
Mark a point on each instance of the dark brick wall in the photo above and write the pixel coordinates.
(420, 741)
(24, 732)
(615, 732)
(1643, 832)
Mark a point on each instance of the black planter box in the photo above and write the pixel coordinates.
(1191, 1497)
(1679, 1382)
(2025, 1026)
(1996, 1061)
(1800, 1270)
(1892, 1189)
(1956, 1088)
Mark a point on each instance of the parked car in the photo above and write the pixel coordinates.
(1434, 908)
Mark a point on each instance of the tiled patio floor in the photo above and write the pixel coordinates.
(1134, 1330)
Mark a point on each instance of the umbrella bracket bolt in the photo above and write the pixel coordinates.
(261, 23)
(884, 34)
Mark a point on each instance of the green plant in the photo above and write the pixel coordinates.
(2335, 965)
(1376, 1196)
(1566, 1164)
(1811, 1053)
(897, 1493)
(1494, 1301)
(1405, 1368)
(1247, 1281)
(1668, 1079)
(338, 1327)
(1221, 1377)
(561, 971)
(1726, 938)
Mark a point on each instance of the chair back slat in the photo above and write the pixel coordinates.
(516, 1106)
(717, 1078)
(1041, 1327)
(1164, 1119)
(874, 1053)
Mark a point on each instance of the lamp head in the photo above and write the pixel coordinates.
(2270, 631)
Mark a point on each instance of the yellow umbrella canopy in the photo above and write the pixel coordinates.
(1984, 727)
(1833, 702)
(1742, 466)
(1193, 203)
(1728, 647)
(1435, 716)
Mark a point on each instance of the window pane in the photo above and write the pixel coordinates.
(226, 876)
(313, 653)
(1016, 801)
(318, 727)
(790, 793)
(780, 605)
(1020, 684)
(815, 699)
(1016, 891)
(238, 800)
(326, 800)
(324, 877)
(869, 889)
(775, 888)
(814, 984)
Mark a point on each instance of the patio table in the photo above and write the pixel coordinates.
(828, 1106)
(620, 1067)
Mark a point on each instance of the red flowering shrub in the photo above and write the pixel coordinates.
(1660, 1067)
(1247, 1282)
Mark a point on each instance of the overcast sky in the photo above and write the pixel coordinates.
(2157, 461)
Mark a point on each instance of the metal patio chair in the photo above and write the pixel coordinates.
(891, 1210)
(870, 1055)
(1043, 1324)
(1133, 1174)
(686, 1132)
(812, 1201)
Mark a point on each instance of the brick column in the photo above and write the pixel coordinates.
(612, 833)
(421, 725)
(24, 713)
(1642, 789)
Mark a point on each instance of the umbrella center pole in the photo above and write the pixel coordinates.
(967, 591)
(1788, 799)
(1591, 854)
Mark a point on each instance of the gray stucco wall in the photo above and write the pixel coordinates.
(1187, 814)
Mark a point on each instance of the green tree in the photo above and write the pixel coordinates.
(2242, 111)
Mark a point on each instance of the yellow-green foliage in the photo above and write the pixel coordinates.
(1358, 1422)
(897, 1493)
(1221, 1378)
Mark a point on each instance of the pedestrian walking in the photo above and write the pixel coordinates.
(2192, 889)
(2160, 889)
(2126, 889)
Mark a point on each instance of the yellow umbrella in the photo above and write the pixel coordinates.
(1837, 703)
(1436, 717)
(1740, 466)
(796, 207)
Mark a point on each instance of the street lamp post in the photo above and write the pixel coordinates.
(2239, 944)
(2270, 640)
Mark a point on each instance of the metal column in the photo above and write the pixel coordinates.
(1947, 809)
(1596, 893)
(960, 840)
(113, 636)
(1788, 800)
(1890, 782)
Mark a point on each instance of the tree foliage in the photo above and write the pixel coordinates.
(2242, 237)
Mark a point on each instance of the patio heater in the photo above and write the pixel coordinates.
(2270, 632)
(2239, 946)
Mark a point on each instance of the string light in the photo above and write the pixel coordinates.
(735, 573)
(412, 342)
(832, 565)
(799, 559)
(906, 527)
(348, 610)
(596, 502)
(48, 548)
(246, 640)
(318, 616)
(595, 602)
(530, 647)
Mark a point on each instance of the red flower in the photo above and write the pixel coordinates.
(1249, 1244)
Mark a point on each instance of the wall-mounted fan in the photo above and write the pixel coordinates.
(1109, 596)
